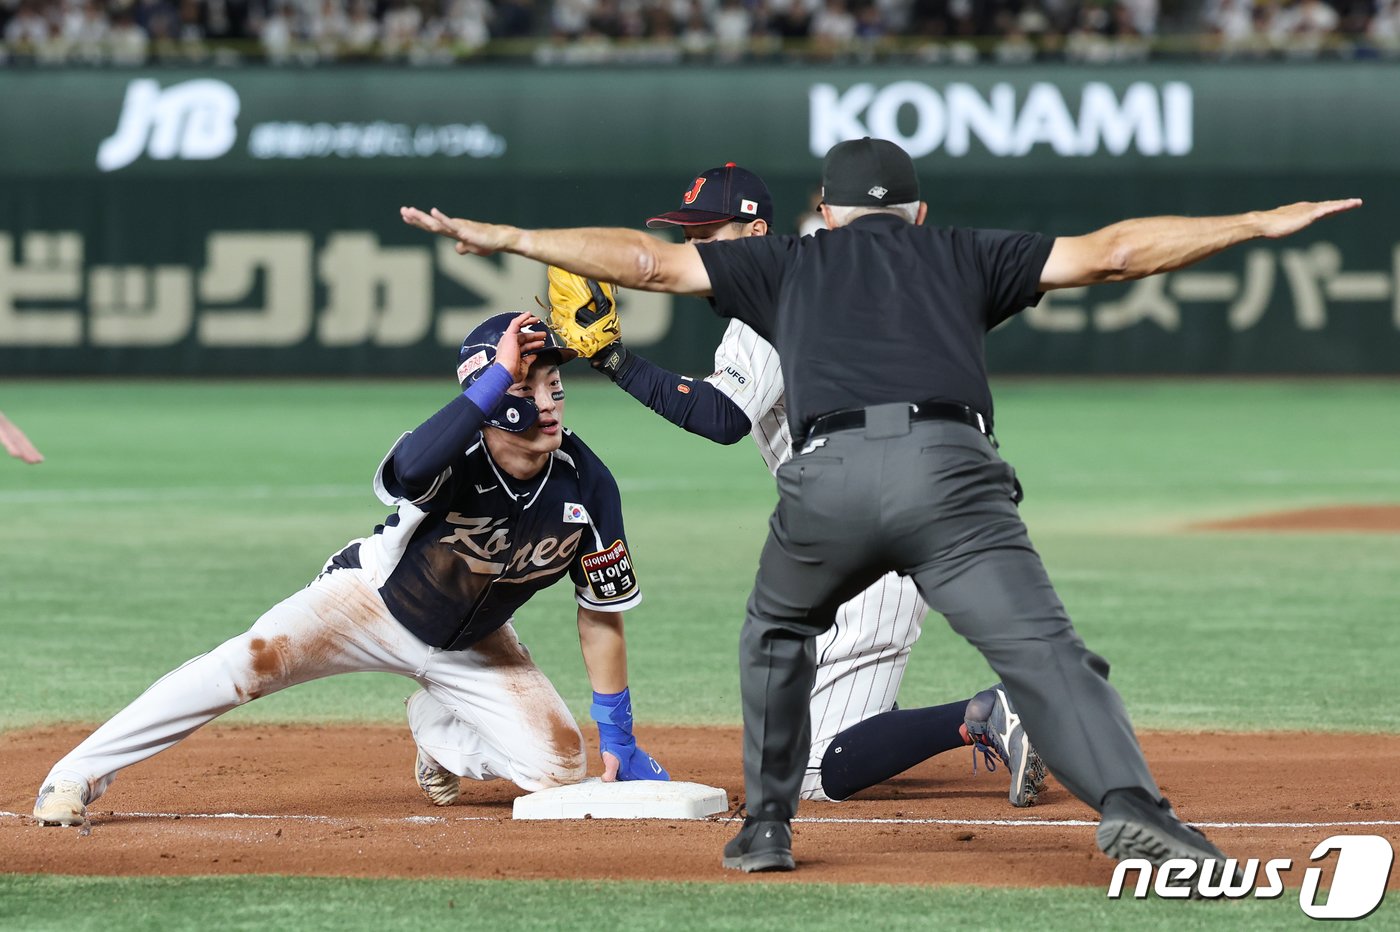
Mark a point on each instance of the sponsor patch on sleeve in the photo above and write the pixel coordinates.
(609, 572)
(733, 381)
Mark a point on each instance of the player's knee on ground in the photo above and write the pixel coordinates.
(558, 761)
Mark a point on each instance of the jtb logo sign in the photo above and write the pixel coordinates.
(191, 120)
(1155, 121)
(1356, 889)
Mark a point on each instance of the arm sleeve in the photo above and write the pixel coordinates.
(746, 275)
(414, 468)
(1010, 264)
(698, 407)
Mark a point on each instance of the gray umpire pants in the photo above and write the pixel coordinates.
(933, 500)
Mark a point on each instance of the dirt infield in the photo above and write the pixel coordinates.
(341, 801)
(1366, 519)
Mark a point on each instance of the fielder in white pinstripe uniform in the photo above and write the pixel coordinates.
(859, 738)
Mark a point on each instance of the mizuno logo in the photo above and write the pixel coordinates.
(1013, 720)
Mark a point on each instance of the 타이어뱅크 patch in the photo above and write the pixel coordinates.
(610, 574)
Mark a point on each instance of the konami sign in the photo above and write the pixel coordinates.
(1153, 120)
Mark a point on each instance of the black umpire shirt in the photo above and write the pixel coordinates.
(879, 310)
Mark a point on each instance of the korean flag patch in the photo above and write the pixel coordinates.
(575, 514)
(610, 573)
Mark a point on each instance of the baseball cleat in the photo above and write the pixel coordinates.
(995, 727)
(761, 845)
(1132, 826)
(62, 802)
(442, 787)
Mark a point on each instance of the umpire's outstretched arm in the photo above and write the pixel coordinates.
(1138, 248)
(629, 258)
(1123, 251)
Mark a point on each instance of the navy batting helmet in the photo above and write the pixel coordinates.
(478, 352)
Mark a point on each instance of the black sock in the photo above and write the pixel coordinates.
(887, 744)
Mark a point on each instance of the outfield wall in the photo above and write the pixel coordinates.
(245, 221)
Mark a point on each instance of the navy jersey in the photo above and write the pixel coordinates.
(455, 563)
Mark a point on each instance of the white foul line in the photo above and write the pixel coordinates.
(1080, 823)
(413, 820)
(444, 820)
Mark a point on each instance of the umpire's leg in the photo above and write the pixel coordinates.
(976, 566)
(816, 557)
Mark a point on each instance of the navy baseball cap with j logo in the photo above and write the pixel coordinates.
(725, 193)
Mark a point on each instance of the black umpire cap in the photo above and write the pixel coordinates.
(725, 193)
(868, 173)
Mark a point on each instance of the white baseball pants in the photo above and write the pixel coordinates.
(492, 713)
(860, 663)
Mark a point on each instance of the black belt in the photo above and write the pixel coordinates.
(921, 411)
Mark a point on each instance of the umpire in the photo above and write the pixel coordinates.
(880, 325)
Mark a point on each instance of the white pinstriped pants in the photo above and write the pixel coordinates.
(860, 664)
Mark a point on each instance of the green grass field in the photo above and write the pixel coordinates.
(170, 514)
(304, 904)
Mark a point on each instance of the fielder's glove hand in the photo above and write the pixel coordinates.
(613, 713)
(582, 312)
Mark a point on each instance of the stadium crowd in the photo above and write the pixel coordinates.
(135, 32)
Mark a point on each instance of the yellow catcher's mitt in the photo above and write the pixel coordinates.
(582, 312)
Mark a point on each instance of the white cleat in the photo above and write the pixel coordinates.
(62, 802)
(442, 787)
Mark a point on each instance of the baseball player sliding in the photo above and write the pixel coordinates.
(494, 500)
(859, 738)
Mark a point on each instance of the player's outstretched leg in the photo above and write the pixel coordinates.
(329, 627)
(995, 728)
(885, 745)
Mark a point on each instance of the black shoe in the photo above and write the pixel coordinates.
(761, 845)
(1133, 826)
